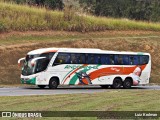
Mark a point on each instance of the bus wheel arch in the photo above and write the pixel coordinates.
(128, 82)
(117, 83)
(53, 82)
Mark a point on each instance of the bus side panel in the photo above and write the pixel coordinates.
(70, 74)
(91, 74)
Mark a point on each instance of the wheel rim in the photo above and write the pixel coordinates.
(117, 84)
(54, 84)
(128, 84)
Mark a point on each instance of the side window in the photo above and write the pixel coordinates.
(82, 59)
(98, 59)
(74, 58)
(105, 59)
(90, 58)
(41, 65)
(131, 60)
(125, 59)
(119, 59)
(111, 59)
(51, 55)
(62, 58)
(93, 58)
(134, 60)
(47, 55)
(77, 58)
(144, 59)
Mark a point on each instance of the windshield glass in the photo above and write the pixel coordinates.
(28, 69)
(40, 65)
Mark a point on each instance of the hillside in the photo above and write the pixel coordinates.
(15, 45)
(24, 18)
(24, 28)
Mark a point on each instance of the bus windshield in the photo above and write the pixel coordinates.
(40, 65)
(28, 69)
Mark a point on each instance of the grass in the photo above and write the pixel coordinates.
(111, 100)
(24, 18)
(50, 36)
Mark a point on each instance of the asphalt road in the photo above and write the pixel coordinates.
(26, 91)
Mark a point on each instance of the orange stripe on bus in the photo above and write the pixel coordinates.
(50, 51)
(113, 70)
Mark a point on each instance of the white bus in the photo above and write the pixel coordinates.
(70, 66)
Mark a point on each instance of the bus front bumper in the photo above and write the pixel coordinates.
(31, 81)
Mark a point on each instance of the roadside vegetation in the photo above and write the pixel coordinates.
(25, 18)
(111, 100)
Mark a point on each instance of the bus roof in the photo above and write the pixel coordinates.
(82, 50)
(42, 50)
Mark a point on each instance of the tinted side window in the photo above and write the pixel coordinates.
(89, 58)
(77, 58)
(62, 58)
(118, 59)
(125, 59)
(51, 55)
(97, 59)
(93, 59)
(144, 59)
(111, 59)
(74, 58)
(134, 60)
(47, 55)
(82, 59)
(105, 59)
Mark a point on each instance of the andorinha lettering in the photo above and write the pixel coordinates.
(79, 66)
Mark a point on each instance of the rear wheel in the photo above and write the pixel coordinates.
(42, 86)
(53, 83)
(127, 83)
(117, 83)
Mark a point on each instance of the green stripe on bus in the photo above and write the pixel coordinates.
(67, 75)
(30, 81)
(74, 78)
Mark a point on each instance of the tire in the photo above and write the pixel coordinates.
(42, 86)
(104, 86)
(117, 83)
(53, 83)
(127, 83)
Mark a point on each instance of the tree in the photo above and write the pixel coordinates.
(148, 10)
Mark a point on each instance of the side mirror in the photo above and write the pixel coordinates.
(20, 61)
(33, 61)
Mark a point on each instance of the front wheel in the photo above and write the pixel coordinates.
(42, 86)
(127, 83)
(53, 83)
